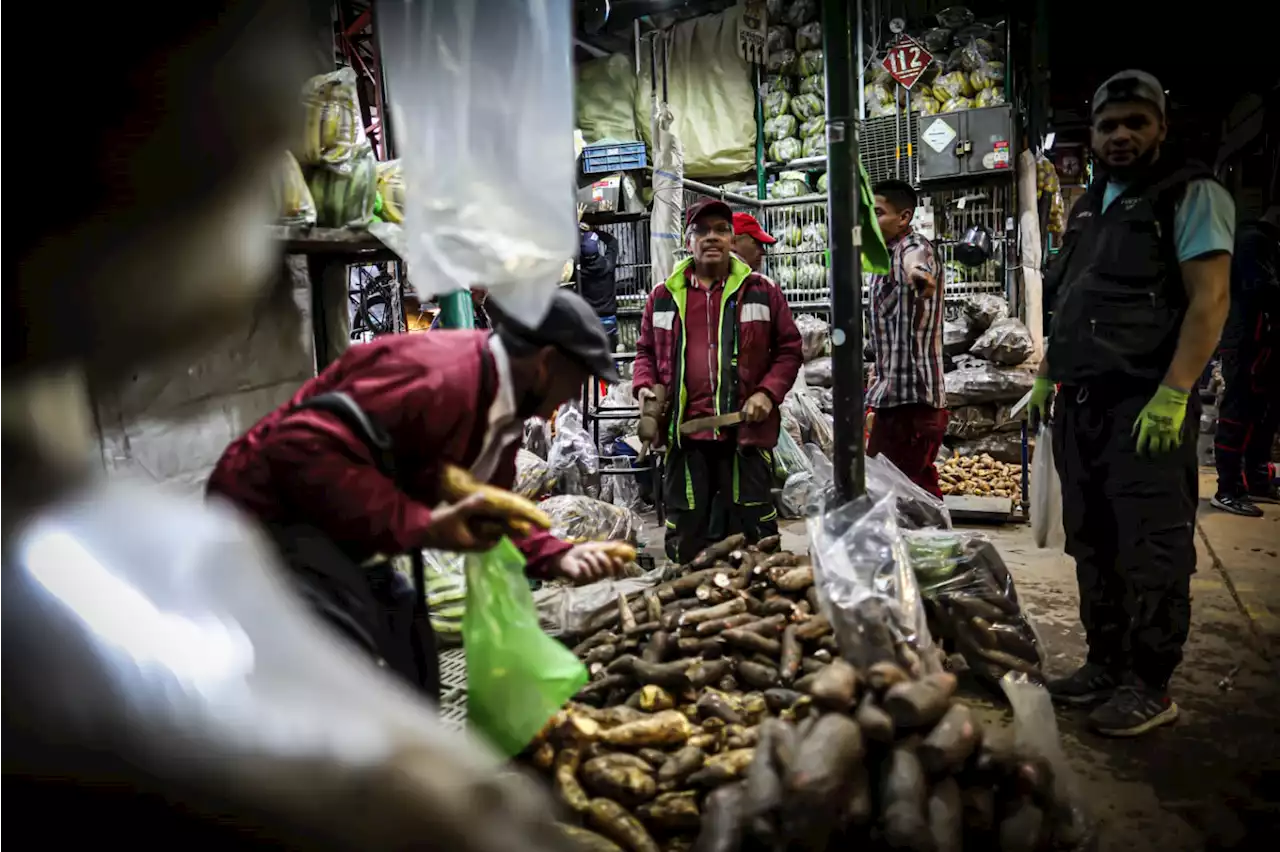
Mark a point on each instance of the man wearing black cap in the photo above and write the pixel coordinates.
(720, 339)
(1140, 290)
(350, 467)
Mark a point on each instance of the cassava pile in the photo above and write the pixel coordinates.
(721, 716)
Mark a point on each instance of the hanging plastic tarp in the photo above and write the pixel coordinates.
(605, 98)
(710, 93)
(482, 108)
(665, 228)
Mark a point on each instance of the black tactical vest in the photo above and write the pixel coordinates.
(1116, 285)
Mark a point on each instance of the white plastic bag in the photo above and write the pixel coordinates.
(483, 116)
(1046, 494)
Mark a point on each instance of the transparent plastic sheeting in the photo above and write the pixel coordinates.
(482, 111)
(161, 631)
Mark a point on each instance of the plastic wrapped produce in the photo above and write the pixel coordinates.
(814, 233)
(625, 488)
(954, 84)
(781, 62)
(797, 494)
(788, 187)
(784, 151)
(345, 197)
(956, 105)
(917, 508)
(618, 397)
(578, 518)
(1007, 420)
(334, 131)
(805, 107)
(955, 17)
(985, 309)
(779, 127)
(958, 334)
(293, 197)
(572, 457)
(391, 188)
(815, 335)
(971, 421)
(1006, 342)
(811, 276)
(817, 373)
(814, 146)
(988, 98)
(537, 436)
(972, 603)
(783, 275)
(775, 9)
(779, 38)
(778, 83)
(814, 84)
(822, 182)
(937, 40)
(811, 62)
(867, 588)
(813, 127)
(797, 13)
(985, 382)
(975, 54)
(1003, 447)
(776, 103)
(533, 477)
(789, 235)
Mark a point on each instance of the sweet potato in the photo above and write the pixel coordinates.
(769, 626)
(604, 637)
(745, 639)
(689, 583)
(723, 768)
(600, 654)
(764, 782)
(703, 672)
(669, 727)
(823, 763)
(835, 686)
(813, 628)
(779, 699)
(670, 676)
(672, 811)
(585, 840)
(780, 560)
(778, 606)
(722, 820)
(654, 699)
(757, 675)
(769, 543)
(737, 606)
(681, 764)
(714, 705)
(790, 653)
(737, 736)
(615, 822)
(951, 741)
(711, 594)
(660, 647)
(920, 703)
(566, 775)
(720, 550)
(718, 625)
(617, 777)
(794, 579)
(655, 757)
(812, 665)
(874, 722)
(707, 647)
(881, 676)
(903, 796)
(945, 815)
(598, 689)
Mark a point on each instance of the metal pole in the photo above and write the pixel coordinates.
(845, 243)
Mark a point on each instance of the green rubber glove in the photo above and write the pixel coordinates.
(1041, 397)
(1159, 424)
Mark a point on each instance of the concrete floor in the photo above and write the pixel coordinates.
(1212, 780)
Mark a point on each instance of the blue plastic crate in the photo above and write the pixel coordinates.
(622, 157)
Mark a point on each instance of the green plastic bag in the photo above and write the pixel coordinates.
(517, 676)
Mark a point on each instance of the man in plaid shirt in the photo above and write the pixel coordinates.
(908, 397)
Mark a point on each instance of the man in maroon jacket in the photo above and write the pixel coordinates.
(720, 339)
(350, 467)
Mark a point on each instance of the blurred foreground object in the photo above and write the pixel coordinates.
(159, 679)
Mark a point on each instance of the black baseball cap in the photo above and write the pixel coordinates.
(707, 205)
(569, 325)
(1129, 85)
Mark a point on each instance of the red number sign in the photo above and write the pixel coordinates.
(906, 61)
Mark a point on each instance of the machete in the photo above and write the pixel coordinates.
(703, 424)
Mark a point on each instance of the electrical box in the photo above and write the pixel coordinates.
(969, 143)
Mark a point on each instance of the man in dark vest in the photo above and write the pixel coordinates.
(1140, 290)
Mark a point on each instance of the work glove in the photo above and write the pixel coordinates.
(1159, 424)
(1041, 401)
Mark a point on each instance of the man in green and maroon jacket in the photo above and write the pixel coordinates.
(720, 339)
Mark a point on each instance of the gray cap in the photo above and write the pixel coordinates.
(569, 325)
(1129, 85)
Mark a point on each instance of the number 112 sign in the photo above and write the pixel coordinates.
(906, 61)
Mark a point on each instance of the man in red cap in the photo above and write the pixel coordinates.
(720, 339)
(749, 240)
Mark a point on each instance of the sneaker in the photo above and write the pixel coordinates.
(1236, 504)
(1088, 684)
(1133, 710)
(1266, 495)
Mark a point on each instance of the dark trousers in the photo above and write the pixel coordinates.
(1247, 421)
(714, 489)
(1130, 525)
(910, 437)
(373, 607)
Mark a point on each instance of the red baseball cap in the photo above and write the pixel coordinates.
(707, 205)
(745, 224)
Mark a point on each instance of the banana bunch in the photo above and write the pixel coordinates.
(446, 604)
(293, 197)
(334, 125)
(391, 188)
(345, 197)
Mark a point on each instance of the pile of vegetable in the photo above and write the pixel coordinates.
(980, 476)
(721, 715)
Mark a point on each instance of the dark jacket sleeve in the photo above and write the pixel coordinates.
(644, 372)
(788, 349)
(540, 549)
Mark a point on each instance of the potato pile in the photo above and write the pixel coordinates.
(720, 716)
(980, 476)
